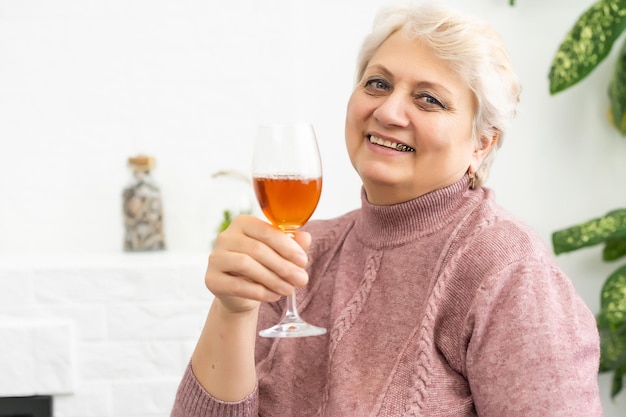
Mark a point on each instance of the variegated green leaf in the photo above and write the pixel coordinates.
(589, 233)
(617, 92)
(613, 298)
(612, 351)
(612, 345)
(587, 43)
(614, 248)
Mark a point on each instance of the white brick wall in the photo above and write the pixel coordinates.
(36, 356)
(109, 336)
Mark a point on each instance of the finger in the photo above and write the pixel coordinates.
(275, 250)
(240, 293)
(259, 264)
(275, 264)
(262, 250)
(303, 239)
(284, 245)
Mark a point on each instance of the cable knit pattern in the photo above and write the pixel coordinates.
(457, 250)
(349, 316)
(423, 364)
(446, 305)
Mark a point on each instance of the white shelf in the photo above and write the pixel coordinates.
(159, 259)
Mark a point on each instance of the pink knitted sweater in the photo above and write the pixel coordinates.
(442, 306)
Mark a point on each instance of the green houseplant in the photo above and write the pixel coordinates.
(589, 42)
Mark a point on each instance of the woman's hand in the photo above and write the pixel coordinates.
(251, 262)
(254, 262)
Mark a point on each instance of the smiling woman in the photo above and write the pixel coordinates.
(436, 299)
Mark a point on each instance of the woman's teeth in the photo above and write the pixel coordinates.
(391, 145)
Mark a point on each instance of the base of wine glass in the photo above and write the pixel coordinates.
(293, 328)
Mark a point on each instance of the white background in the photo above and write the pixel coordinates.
(84, 84)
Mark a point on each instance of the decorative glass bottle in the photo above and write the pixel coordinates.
(142, 209)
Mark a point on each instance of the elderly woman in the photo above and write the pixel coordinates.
(438, 302)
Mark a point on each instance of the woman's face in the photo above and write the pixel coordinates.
(409, 123)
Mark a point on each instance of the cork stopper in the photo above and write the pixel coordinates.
(141, 162)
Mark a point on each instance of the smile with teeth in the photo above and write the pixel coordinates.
(389, 144)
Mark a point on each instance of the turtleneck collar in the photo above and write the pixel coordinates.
(384, 226)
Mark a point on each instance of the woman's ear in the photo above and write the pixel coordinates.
(486, 143)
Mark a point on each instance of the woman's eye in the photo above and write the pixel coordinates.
(377, 84)
(428, 100)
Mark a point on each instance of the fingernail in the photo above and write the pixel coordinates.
(286, 289)
(303, 277)
(302, 259)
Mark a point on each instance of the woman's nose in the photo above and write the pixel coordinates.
(392, 111)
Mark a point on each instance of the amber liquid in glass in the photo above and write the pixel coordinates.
(287, 200)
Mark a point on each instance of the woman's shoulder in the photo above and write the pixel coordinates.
(497, 234)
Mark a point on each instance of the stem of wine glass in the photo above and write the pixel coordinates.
(291, 324)
(291, 311)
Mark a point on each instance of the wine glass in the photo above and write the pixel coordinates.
(287, 178)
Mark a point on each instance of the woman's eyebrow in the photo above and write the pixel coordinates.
(378, 68)
(433, 86)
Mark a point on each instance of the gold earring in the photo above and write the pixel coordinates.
(472, 177)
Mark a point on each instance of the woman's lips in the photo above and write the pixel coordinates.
(400, 147)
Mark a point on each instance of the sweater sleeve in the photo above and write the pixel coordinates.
(192, 400)
(534, 345)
